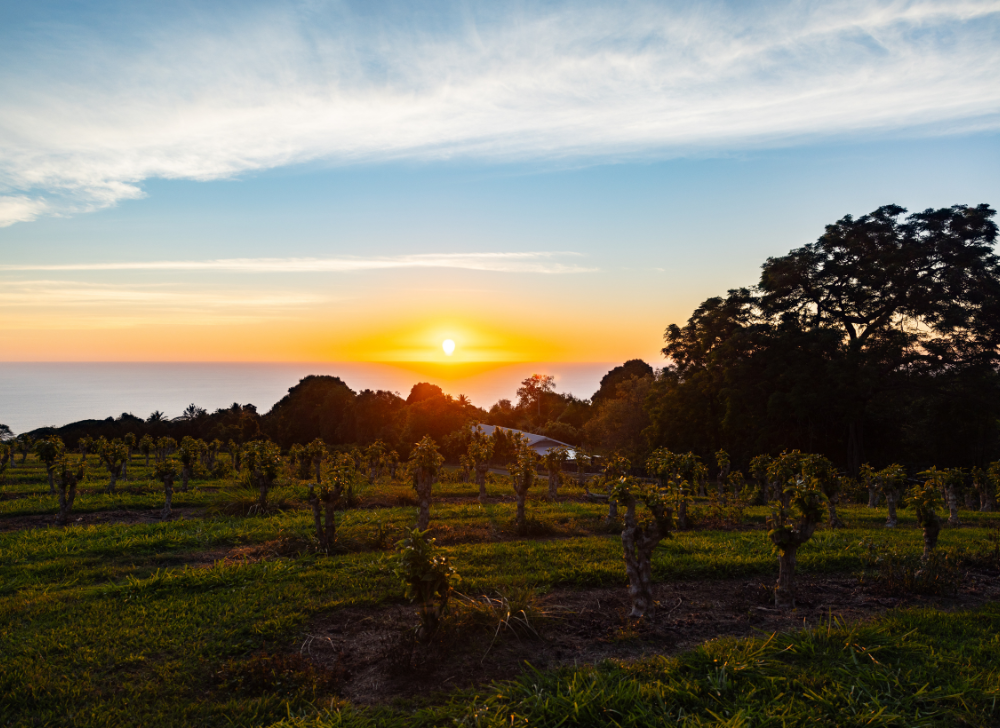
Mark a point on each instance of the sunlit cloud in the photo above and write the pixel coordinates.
(83, 126)
(50, 305)
(527, 262)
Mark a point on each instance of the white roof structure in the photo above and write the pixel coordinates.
(541, 444)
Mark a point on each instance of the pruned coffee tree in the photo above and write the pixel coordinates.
(427, 578)
(522, 475)
(189, 453)
(640, 536)
(425, 462)
(480, 452)
(325, 496)
(68, 474)
(113, 455)
(891, 482)
(925, 498)
(677, 473)
(49, 450)
(262, 460)
(793, 520)
(554, 459)
(166, 473)
(820, 471)
(146, 446)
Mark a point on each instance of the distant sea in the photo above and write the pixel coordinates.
(44, 394)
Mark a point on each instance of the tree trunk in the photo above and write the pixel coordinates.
(65, 503)
(553, 483)
(50, 469)
(640, 582)
(890, 501)
(168, 497)
(970, 499)
(424, 483)
(481, 469)
(835, 521)
(319, 471)
(932, 528)
(522, 524)
(185, 476)
(682, 514)
(612, 511)
(147, 459)
(784, 592)
(112, 481)
(262, 497)
(872, 497)
(952, 496)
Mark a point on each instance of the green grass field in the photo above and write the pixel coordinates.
(134, 621)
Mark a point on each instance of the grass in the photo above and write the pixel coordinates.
(140, 624)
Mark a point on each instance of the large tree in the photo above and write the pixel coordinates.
(879, 314)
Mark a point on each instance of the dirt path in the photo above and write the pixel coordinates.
(373, 655)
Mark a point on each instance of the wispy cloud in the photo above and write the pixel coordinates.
(527, 262)
(299, 83)
(48, 304)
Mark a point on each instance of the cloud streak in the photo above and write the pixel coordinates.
(298, 84)
(527, 262)
(57, 305)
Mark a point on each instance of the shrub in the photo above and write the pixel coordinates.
(427, 577)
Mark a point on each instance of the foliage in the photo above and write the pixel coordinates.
(427, 578)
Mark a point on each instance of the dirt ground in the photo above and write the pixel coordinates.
(375, 657)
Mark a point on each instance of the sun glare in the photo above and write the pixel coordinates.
(449, 346)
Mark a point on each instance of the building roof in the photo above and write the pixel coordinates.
(539, 443)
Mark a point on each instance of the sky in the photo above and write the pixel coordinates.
(334, 181)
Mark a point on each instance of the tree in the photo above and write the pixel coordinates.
(615, 468)
(987, 483)
(166, 473)
(632, 369)
(639, 539)
(113, 455)
(554, 459)
(324, 497)
(891, 481)
(25, 443)
(926, 499)
(49, 450)
(619, 424)
(69, 475)
(189, 454)
(164, 447)
(793, 520)
(425, 460)
(6, 434)
(532, 391)
(480, 451)
(854, 333)
(676, 474)
(146, 446)
(263, 463)
(522, 475)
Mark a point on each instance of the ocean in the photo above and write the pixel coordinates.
(40, 394)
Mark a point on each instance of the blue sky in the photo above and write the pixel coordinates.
(380, 170)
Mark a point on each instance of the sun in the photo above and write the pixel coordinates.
(449, 346)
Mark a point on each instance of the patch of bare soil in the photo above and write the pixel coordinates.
(377, 659)
(46, 520)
